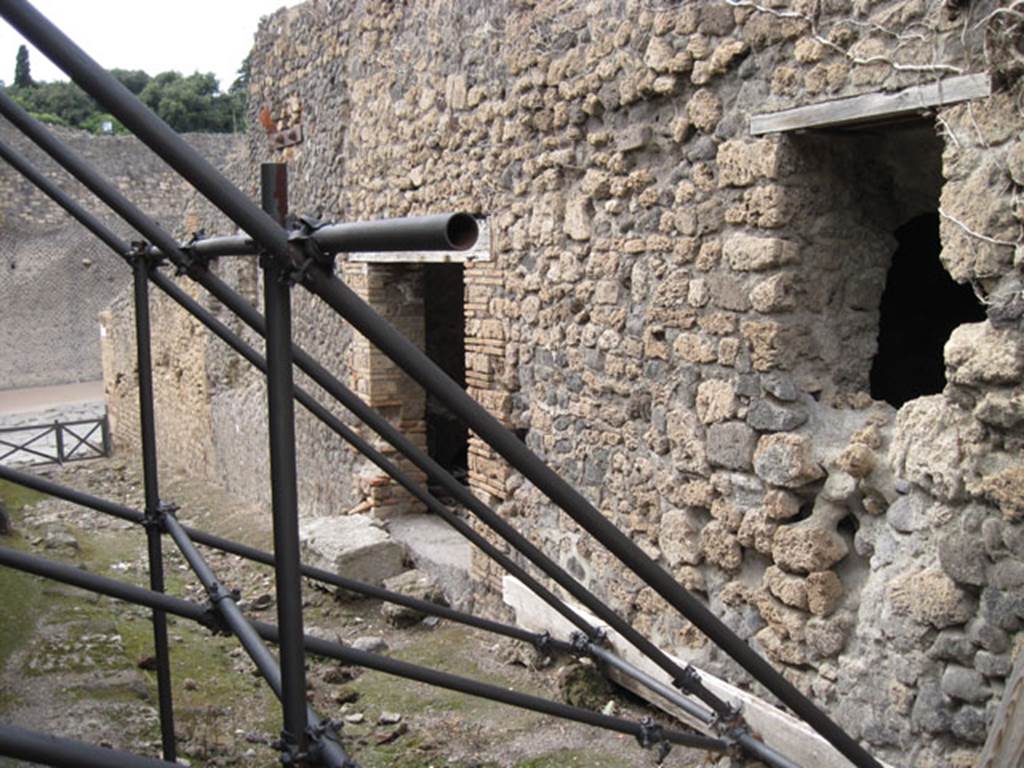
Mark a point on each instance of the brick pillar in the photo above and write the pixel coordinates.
(395, 291)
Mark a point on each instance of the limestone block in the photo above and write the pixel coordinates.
(978, 353)
(679, 538)
(824, 592)
(785, 460)
(827, 637)
(716, 401)
(930, 597)
(999, 409)
(857, 460)
(776, 294)
(726, 54)
(781, 649)
(780, 505)
(662, 57)
(412, 584)
(730, 444)
(802, 548)
(757, 531)
(577, 218)
(933, 446)
(353, 546)
(704, 110)
(790, 589)
(750, 253)
(686, 441)
(721, 547)
(1006, 490)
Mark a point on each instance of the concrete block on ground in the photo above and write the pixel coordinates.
(354, 546)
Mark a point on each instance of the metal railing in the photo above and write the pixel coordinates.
(56, 442)
(302, 257)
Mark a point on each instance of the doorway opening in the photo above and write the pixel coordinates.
(921, 305)
(445, 344)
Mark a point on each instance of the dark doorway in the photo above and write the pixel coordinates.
(445, 322)
(921, 305)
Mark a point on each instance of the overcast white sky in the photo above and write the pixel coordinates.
(152, 35)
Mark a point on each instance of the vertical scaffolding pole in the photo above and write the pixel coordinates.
(147, 428)
(284, 494)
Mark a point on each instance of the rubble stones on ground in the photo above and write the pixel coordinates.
(412, 584)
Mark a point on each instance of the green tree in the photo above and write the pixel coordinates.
(22, 73)
(135, 80)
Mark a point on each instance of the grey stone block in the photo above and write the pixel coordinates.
(731, 445)
(353, 546)
(962, 557)
(964, 684)
(766, 416)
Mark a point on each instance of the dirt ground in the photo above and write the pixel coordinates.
(73, 664)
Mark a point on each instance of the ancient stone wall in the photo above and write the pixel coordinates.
(52, 264)
(682, 318)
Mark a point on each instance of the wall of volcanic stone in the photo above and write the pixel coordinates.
(682, 318)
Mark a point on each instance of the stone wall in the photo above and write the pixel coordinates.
(52, 262)
(682, 318)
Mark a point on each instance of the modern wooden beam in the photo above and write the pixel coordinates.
(874, 107)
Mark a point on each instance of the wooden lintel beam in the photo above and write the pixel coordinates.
(874, 107)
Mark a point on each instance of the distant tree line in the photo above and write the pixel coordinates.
(186, 103)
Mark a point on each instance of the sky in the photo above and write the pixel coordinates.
(151, 35)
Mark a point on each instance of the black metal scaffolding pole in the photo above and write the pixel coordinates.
(147, 430)
(685, 677)
(130, 593)
(277, 298)
(440, 232)
(120, 102)
(324, 749)
(259, 556)
(330, 420)
(64, 753)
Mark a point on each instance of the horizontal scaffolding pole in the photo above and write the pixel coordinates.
(196, 270)
(687, 679)
(23, 744)
(266, 558)
(439, 232)
(104, 585)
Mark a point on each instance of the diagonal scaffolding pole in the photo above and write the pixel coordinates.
(685, 678)
(68, 574)
(270, 236)
(169, 287)
(256, 555)
(692, 684)
(147, 429)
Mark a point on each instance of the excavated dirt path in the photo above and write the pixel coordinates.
(70, 661)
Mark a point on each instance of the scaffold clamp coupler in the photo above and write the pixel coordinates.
(651, 736)
(579, 643)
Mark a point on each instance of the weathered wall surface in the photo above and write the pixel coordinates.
(52, 264)
(682, 318)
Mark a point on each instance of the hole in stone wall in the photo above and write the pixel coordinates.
(445, 344)
(921, 305)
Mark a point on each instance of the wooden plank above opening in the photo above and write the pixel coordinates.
(874, 107)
